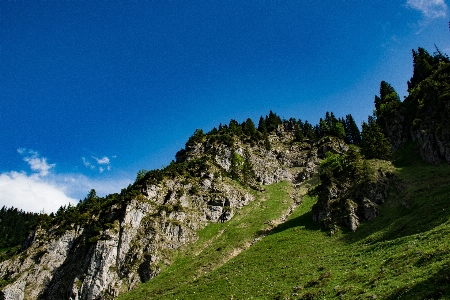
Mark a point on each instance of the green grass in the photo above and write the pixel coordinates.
(7, 253)
(403, 254)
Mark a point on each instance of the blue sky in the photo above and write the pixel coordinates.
(94, 91)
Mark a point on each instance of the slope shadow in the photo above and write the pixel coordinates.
(63, 279)
(435, 287)
(418, 205)
(305, 221)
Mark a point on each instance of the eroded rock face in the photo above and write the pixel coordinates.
(14, 291)
(395, 130)
(166, 216)
(73, 267)
(347, 202)
(427, 146)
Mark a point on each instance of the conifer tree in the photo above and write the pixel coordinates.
(262, 125)
(422, 67)
(301, 125)
(353, 135)
(373, 142)
(234, 164)
(247, 168)
(323, 129)
(298, 134)
(272, 121)
(248, 127)
(338, 130)
(263, 129)
(197, 137)
(235, 128)
(308, 130)
(386, 105)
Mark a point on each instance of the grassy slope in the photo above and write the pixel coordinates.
(403, 254)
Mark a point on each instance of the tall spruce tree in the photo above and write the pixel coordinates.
(263, 129)
(298, 134)
(323, 129)
(353, 135)
(272, 121)
(248, 128)
(373, 142)
(247, 168)
(422, 67)
(308, 130)
(338, 130)
(262, 125)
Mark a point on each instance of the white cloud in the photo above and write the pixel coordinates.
(31, 193)
(102, 161)
(37, 164)
(87, 163)
(431, 9)
(48, 191)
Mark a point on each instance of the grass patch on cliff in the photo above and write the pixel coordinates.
(219, 243)
(402, 254)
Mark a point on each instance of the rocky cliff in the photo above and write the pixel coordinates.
(352, 198)
(165, 213)
(424, 115)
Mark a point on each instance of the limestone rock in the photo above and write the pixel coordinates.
(82, 264)
(427, 146)
(14, 291)
(349, 201)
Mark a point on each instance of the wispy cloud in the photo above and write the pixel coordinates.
(102, 161)
(37, 164)
(431, 9)
(103, 164)
(87, 163)
(78, 185)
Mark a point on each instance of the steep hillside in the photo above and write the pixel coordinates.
(404, 253)
(106, 246)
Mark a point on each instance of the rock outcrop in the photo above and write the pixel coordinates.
(350, 200)
(165, 215)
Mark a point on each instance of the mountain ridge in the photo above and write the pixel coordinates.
(104, 247)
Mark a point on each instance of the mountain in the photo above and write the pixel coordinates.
(242, 194)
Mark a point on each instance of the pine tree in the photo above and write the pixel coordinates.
(374, 144)
(308, 131)
(386, 105)
(262, 125)
(248, 127)
(298, 134)
(263, 129)
(352, 131)
(422, 67)
(323, 129)
(272, 121)
(235, 128)
(247, 168)
(196, 138)
(338, 130)
(235, 162)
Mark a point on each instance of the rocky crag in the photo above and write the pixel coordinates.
(351, 190)
(161, 212)
(424, 115)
